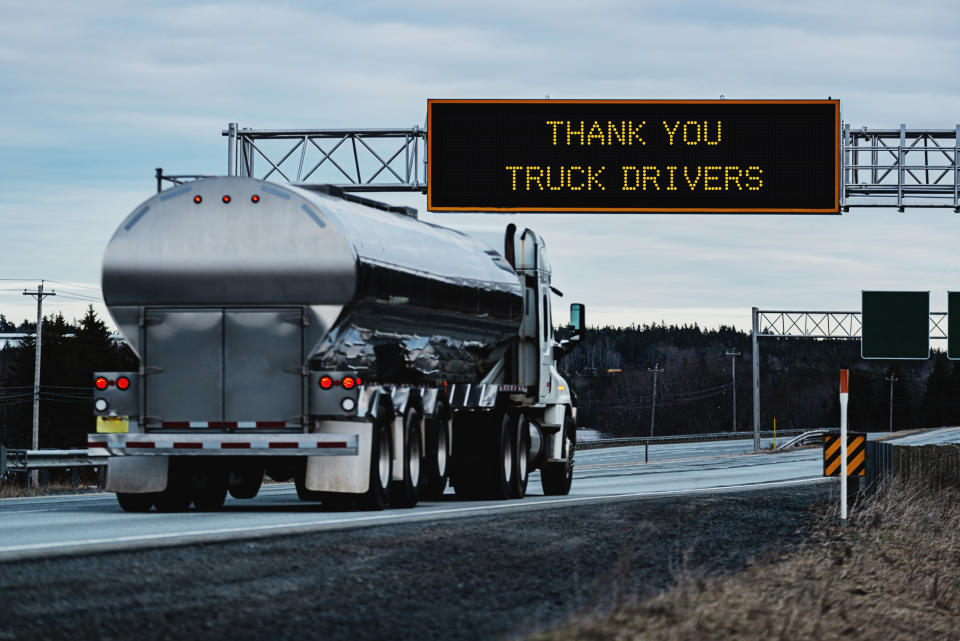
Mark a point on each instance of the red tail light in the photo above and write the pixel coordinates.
(123, 383)
(255, 198)
(198, 199)
(326, 382)
(226, 199)
(101, 383)
(348, 382)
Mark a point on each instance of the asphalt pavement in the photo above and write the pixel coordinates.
(51, 526)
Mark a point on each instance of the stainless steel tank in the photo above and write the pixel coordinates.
(386, 295)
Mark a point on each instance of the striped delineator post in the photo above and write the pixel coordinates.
(844, 396)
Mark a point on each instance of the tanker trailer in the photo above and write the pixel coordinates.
(303, 333)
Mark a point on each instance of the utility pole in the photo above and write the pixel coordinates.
(39, 295)
(656, 369)
(891, 379)
(732, 353)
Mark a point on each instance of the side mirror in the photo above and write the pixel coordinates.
(578, 319)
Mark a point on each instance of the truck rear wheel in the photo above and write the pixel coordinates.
(435, 460)
(406, 492)
(209, 485)
(177, 496)
(381, 468)
(136, 502)
(245, 481)
(556, 477)
(521, 470)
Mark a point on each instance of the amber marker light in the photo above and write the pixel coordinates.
(255, 198)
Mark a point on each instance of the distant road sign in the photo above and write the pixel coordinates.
(953, 325)
(896, 325)
(706, 156)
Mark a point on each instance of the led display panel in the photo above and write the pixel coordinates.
(693, 156)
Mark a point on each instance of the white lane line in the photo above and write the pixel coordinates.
(303, 526)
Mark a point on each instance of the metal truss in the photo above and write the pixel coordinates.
(901, 168)
(794, 324)
(352, 159)
(784, 324)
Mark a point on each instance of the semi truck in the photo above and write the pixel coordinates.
(299, 332)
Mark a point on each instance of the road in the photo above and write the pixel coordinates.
(51, 526)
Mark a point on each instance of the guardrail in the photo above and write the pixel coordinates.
(934, 465)
(678, 438)
(802, 439)
(16, 460)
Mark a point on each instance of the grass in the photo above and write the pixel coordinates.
(893, 572)
(11, 490)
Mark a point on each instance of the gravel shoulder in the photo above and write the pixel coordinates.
(499, 576)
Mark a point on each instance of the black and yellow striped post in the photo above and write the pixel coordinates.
(856, 454)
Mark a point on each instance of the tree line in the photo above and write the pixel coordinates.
(611, 372)
(70, 353)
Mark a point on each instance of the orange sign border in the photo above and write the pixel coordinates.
(638, 210)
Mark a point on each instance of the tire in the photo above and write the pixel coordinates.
(521, 458)
(338, 501)
(209, 486)
(177, 496)
(436, 460)
(556, 478)
(381, 468)
(503, 458)
(136, 502)
(405, 493)
(245, 481)
(300, 480)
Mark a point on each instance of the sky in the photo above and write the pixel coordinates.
(95, 95)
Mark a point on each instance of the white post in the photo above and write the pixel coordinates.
(844, 395)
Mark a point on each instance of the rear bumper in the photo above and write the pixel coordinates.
(154, 444)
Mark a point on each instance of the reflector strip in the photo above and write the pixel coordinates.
(235, 446)
(223, 425)
(97, 444)
(283, 444)
(187, 446)
(331, 444)
(141, 444)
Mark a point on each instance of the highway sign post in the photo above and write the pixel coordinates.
(844, 396)
(896, 325)
(953, 325)
(705, 156)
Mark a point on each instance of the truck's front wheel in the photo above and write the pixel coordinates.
(557, 476)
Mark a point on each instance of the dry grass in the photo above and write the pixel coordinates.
(892, 573)
(10, 490)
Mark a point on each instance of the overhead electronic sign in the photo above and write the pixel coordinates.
(696, 156)
(896, 325)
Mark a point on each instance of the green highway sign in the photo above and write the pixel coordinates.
(953, 325)
(896, 325)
